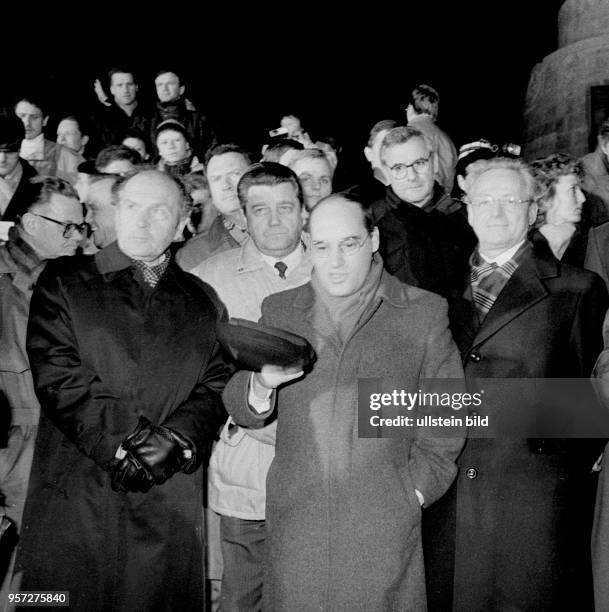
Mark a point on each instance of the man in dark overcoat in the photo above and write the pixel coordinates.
(128, 372)
(513, 532)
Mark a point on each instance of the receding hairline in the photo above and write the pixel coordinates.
(335, 199)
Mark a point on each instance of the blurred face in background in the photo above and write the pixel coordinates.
(223, 174)
(168, 87)
(69, 135)
(32, 117)
(315, 176)
(123, 88)
(566, 204)
(172, 146)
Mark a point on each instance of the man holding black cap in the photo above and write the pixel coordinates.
(344, 512)
(15, 173)
(128, 373)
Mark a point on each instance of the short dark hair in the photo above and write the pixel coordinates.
(185, 199)
(114, 153)
(277, 148)
(35, 99)
(134, 132)
(367, 211)
(83, 124)
(166, 69)
(120, 70)
(268, 173)
(547, 172)
(221, 149)
(425, 99)
(42, 188)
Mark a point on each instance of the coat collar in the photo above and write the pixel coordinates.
(390, 290)
(111, 262)
(440, 202)
(111, 259)
(524, 289)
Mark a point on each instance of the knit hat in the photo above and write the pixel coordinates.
(171, 124)
(12, 133)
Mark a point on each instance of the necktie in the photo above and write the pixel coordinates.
(281, 268)
(485, 278)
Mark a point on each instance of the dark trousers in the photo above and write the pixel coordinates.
(243, 558)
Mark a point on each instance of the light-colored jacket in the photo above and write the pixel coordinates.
(443, 148)
(58, 161)
(241, 458)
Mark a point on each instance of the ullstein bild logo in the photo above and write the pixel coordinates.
(484, 408)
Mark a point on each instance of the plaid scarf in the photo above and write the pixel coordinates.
(488, 279)
(151, 275)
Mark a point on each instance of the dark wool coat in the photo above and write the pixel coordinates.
(426, 247)
(200, 134)
(342, 513)
(513, 532)
(105, 350)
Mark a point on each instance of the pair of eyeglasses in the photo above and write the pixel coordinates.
(348, 247)
(68, 227)
(511, 203)
(399, 171)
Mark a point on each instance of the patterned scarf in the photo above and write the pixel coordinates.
(488, 279)
(151, 275)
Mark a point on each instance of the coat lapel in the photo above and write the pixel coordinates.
(522, 291)
(463, 316)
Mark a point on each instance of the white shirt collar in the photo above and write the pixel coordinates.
(33, 150)
(503, 257)
(291, 261)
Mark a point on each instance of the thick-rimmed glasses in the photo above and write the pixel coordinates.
(399, 171)
(69, 227)
(506, 202)
(348, 247)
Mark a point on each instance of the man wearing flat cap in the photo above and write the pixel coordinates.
(15, 173)
(128, 373)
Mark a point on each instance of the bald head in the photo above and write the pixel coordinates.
(151, 211)
(343, 241)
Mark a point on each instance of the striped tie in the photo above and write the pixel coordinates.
(484, 278)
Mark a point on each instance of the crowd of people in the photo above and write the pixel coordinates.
(144, 467)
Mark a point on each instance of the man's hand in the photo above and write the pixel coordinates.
(100, 93)
(270, 377)
(154, 454)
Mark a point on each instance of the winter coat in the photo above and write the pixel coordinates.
(427, 246)
(343, 517)
(105, 349)
(513, 532)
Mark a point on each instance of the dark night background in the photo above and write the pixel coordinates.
(341, 72)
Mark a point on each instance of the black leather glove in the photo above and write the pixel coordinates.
(154, 454)
(128, 474)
